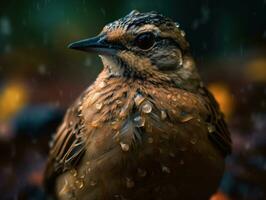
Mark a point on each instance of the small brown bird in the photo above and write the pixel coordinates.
(147, 128)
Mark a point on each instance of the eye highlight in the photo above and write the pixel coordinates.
(145, 40)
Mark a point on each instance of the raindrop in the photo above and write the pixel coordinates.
(116, 137)
(247, 146)
(183, 34)
(142, 172)
(123, 111)
(139, 121)
(99, 106)
(166, 169)
(147, 107)
(51, 143)
(115, 124)
(211, 128)
(150, 140)
(138, 99)
(193, 141)
(183, 149)
(103, 11)
(42, 69)
(174, 98)
(5, 26)
(181, 61)
(177, 24)
(94, 97)
(38, 7)
(160, 151)
(93, 183)
(205, 12)
(185, 117)
(124, 146)
(88, 170)
(118, 101)
(172, 154)
(79, 183)
(95, 124)
(195, 24)
(74, 172)
(64, 188)
(163, 115)
(129, 183)
(102, 84)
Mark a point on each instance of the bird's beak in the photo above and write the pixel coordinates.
(98, 44)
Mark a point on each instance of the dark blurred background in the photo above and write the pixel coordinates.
(40, 77)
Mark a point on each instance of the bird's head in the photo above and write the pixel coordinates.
(143, 46)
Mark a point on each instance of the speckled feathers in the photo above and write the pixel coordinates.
(147, 128)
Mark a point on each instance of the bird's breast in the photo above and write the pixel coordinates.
(141, 136)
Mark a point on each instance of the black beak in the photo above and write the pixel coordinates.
(98, 44)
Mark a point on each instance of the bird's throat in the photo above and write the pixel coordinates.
(113, 65)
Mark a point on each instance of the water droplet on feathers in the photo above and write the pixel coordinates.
(146, 108)
(139, 121)
(165, 169)
(130, 183)
(124, 146)
(163, 115)
(138, 99)
(99, 106)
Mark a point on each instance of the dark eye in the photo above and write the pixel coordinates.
(145, 40)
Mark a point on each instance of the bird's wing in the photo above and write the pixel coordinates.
(218, 129)
(211, 114)
(68, 145)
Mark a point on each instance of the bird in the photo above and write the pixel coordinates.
(147, 128)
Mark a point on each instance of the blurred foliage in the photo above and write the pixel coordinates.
(256, 70)
(224, 97)
(12, 99)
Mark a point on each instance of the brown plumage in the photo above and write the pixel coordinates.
(147, 128)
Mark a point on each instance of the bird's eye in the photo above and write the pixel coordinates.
(145, 40)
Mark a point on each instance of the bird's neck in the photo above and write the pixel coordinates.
(115, 97)
(187, 79)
